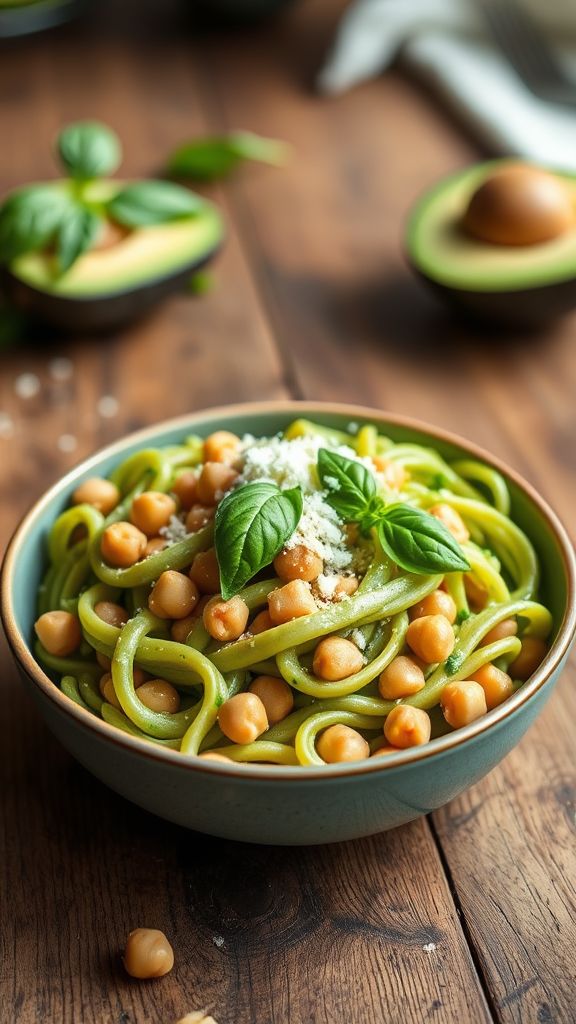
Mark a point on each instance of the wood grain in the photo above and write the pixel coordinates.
(312, 299)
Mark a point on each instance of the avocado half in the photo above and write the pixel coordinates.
(110, 286)
(519, 286)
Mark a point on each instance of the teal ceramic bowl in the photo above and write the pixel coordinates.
(261, 804)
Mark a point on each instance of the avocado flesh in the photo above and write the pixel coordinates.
(445, 255)
(145, 254)
(111, 286)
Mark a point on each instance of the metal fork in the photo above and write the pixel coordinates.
(527, 50)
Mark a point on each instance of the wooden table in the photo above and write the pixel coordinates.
(465, 917)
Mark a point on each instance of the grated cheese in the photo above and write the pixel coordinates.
(293, 464)
(357, 637)
(175, 530)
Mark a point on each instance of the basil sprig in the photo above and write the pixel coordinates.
(213, 158)
(30, 218)
(77, 232)
(153, 202)
(415, 540)
(252, 525)
(66, 217)
(88, 149)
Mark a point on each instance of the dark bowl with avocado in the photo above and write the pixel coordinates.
(498, 241)
(123, 275)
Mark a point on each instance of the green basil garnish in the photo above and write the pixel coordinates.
(414, 539)
(418, 541)
(153, 202)
(349, 484)
(252, 525)
(88, 150)
(30, 218)
(212, 158)
(76, 234)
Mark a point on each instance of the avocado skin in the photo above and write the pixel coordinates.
(526, 308)
(97, 313)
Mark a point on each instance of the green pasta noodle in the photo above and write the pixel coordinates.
(240, 678)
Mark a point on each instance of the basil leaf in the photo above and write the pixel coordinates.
(349, 484)
(251, 526)
(212, 158)
(29, 219)
(89, 149)
(419, 542)
(76, 234)
(153, 202)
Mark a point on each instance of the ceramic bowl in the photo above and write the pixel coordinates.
(281, 805)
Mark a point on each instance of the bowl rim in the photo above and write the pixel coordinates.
(279, 773)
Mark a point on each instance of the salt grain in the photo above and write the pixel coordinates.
(108, 406)
(61, 368)
(67, 443)
(27, 385)
(6, 425)
(429, 947)
(218, 940)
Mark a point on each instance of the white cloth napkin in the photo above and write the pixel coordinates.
(446, 43)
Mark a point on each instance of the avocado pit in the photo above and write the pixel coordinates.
(519, 205)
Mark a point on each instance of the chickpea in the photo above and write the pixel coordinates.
(431, 637)
(111, 613)
(497, 685)
(59, 632)
(508, 627)
(205, 572)
(436, 603)
(122, 545)
(341, 743)
(173, 596)
(159, 695)
(407, 727)
(401, 678)
(198, 517)
(212, 755)
(185, 487)
(108, 692)
(298, 563)
(346, 586)
(243, 718)
(103, 661)
(225, 620)
(221, 446)
(394, 475)
(276, 696)
(336, 658)
(215, 479)
(180, 629)
(102, 494)
(476, 593)
(154, 544)
(291, 601)
(152, 510)
(148, 954)
(381, 751)
(452, 520)
(463, 702)
(106, 687)
(260, 623)
(531, 654)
